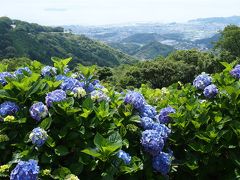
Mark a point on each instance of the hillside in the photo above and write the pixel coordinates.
(18, 39)
(143, 38)
(209, 42)
(153, 50)
(222, 20)
(149, 50)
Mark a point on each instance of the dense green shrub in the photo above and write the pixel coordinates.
(205, 138)
(71, 124)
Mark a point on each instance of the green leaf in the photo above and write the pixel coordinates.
(135, 118)
(60, 64)
(85, 113)
(99, 140)
(203, 137)
(61, 173)
(46, 123)
(109, 145)
(88, 104)
(61, 151)
(91, 152)
(5, 95)
(50, 142)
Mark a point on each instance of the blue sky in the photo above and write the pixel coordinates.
(99, 12)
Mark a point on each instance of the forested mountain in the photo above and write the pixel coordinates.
(22, 39)
(149, 50)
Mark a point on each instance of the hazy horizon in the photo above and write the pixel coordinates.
(110, 12)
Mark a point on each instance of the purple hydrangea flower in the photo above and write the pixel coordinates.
(3, 75)
(60, 77)
(49, 71)
(55, 96)
(202, 81)
(8, 108)
(38, 136)
(25, 170)
(70, 83)
(135, 99)
(124, 156)
(98, 95)
(38, 111)
(163, 115)
(235, 72)
(162, 162)
(152, 141)
(20, 71)
(210, 91)
(148, 111)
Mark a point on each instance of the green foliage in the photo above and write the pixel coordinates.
(149, 50)
(14, 63)
(230, 40)
(182, 65)
(22, 39)
(205, 132)
(84, 136)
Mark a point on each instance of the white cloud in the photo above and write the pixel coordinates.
(58, 12)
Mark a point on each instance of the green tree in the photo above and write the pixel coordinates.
(230, 40)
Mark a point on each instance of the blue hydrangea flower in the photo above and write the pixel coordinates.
(162, 162)
(147, 123)
(148, 111)
(235, 72)
(20, 71)
(95, 82)
(38, 136)
(8, 108)
(55, 96)
(38, 111)
(25, 170)
(49, 71)
(152, 141)
(89, 87)
(70, 83)
(210, 91)
(163, 115)
(2, 77)
(202, 81)
(79, 77)
(98, 95)
(124, 156)
(60, 77)
(162, 129)
(135, 99)
(98, 86)
(66, 70)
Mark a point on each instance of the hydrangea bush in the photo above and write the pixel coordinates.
(205, 129)
(62, 124)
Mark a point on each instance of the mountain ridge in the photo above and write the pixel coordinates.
(23, 39)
